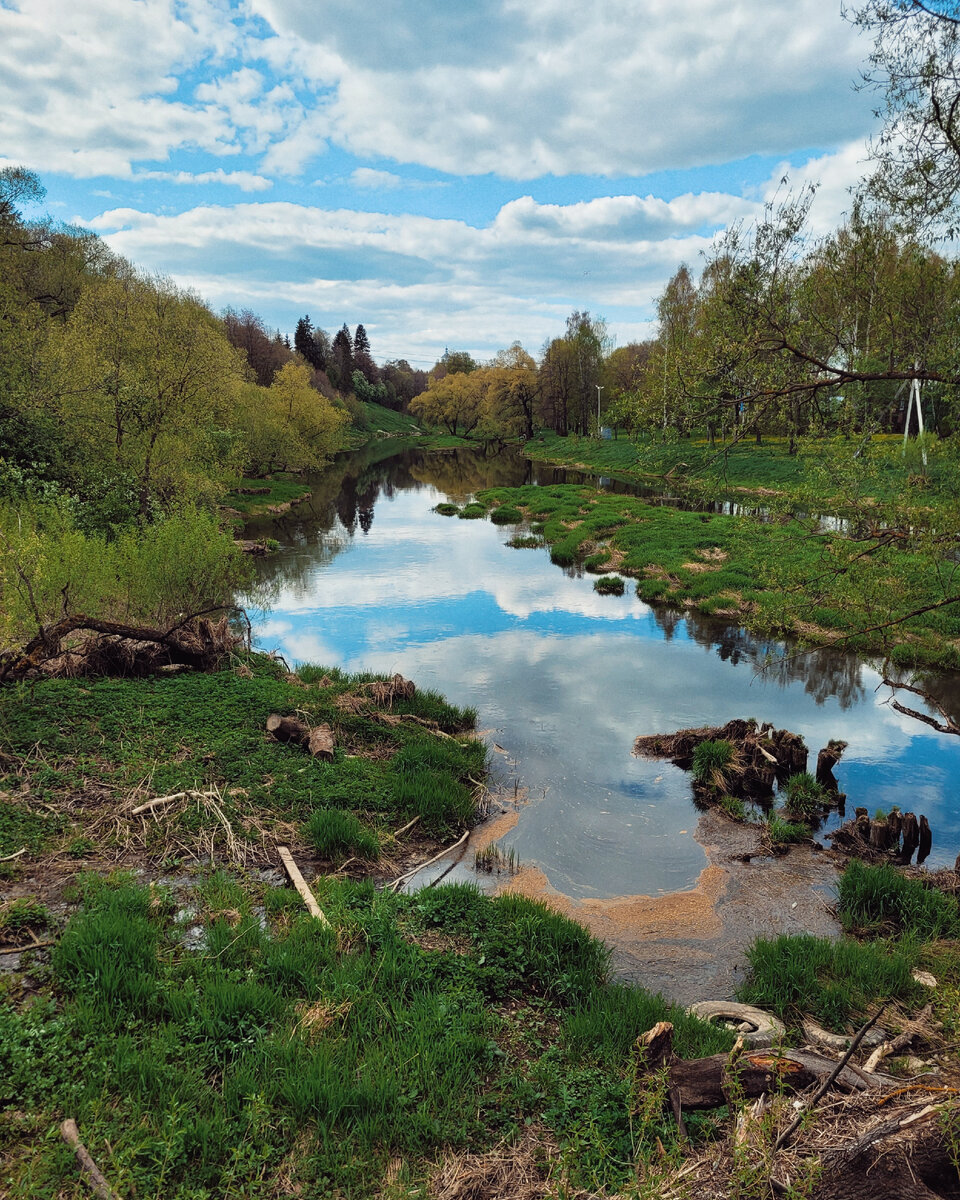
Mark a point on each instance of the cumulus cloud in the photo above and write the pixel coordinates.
(542, 87)
(424, 282)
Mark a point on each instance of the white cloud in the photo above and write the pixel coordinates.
(542, 87)
(426, 283)
(89, 89)
(246, 181)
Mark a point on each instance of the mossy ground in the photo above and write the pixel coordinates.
(212, 1039)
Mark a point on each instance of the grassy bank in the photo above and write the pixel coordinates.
(209, 1037)
(827, 474)
(776, 577)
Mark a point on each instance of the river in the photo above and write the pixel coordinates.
(370, 577)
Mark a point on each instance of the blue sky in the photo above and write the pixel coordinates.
(450, 174)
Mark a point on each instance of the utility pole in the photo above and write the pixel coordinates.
(599, 390)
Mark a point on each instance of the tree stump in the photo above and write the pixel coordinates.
(318, 741)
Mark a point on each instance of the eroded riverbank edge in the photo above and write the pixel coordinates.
(692, 944)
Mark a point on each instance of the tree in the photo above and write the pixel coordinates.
(915, 65)
(362, 358)
(247, 332)
(453, 362)
(312, 344)
(340, 367)
(510, 393)
(454, 401)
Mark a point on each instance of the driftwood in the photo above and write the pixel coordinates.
(317, 740)
(706, 1082)
(91, 1172)
(119, 649)
(762, 754)
(298, 881)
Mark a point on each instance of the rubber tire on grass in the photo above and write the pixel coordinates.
(766, 1028)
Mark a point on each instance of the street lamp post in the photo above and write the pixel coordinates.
(599, 390)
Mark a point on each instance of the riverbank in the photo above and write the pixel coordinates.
(787, 577)
(829, 476)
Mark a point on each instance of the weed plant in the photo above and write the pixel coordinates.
(783, 832)
(805, 798)
(880, 900)
(833, 981)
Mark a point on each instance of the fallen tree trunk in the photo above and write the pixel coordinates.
(706, 1082)
(317, 740)
(120, 648)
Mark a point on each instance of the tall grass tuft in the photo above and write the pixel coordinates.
(834, 981)
(881, 900)
(334, 832)
(714, 764)
(805, 797)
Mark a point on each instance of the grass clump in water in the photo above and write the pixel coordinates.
(521, 542)
(609, 585)
(805, 798)
(880, 900)
(505, 515)
(714, 764)
(472, 511)
(335, 833)
(447, 510)
(833, 981)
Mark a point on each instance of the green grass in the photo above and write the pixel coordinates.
(505, 515)
(777, 578)
(880, 900)
(447, 510)
(281, 489)
(609, 585)
(833, 981)
(805, 798)
(783, 832)
(472, 511)
(72, 741)
(278, 1051)
(711, 763)
(334, 833)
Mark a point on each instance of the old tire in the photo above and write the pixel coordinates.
(763, 1028)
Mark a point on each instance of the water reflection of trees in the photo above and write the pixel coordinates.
(824, 673)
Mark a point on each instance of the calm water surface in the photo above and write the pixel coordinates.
(369, 577)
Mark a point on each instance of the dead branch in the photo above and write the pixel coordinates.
(142, 808)
(829, 1081)
(409, 874)
(91, 1173)
(11, 857)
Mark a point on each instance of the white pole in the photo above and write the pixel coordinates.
(599, 390)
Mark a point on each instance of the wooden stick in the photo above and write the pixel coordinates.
(828, 1082)
(91, 1173)
(409, 875)
(20, 949)
(142, 808)
(11, 857)
(409, 825)
(298, 881)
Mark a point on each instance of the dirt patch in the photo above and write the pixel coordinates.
(692, 945)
